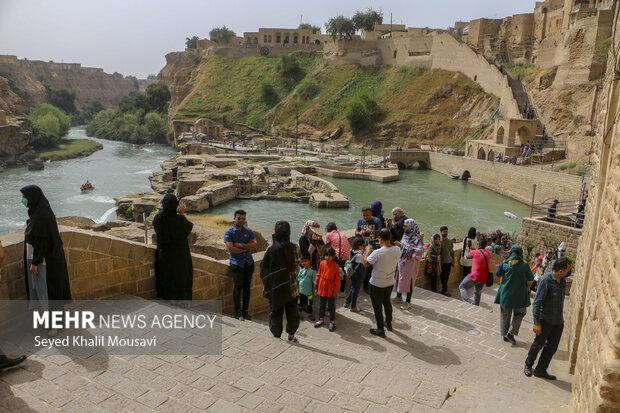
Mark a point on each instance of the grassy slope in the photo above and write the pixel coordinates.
(71, 148)
(231, 87)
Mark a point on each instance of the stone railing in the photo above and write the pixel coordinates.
(101, 266)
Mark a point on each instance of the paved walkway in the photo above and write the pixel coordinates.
(443, 355)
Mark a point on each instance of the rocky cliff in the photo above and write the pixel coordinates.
(15, 144)
(24, 83)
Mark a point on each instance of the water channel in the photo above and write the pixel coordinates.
(431, 198)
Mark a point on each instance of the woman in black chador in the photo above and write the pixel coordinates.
(44, 258)
(174, 273)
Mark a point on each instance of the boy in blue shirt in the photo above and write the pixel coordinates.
(307, 282)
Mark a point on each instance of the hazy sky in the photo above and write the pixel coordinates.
(132, 36)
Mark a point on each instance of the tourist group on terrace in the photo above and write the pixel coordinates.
(385, 255)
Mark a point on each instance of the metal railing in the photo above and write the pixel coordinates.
(566, 212)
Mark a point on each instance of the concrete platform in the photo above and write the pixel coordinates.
(331, 200)
(377, 175)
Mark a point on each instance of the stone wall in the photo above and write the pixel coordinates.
(101, 266)
(593, 321)
(449, 54)
(406, 51)
(510, 180)
(536, 230)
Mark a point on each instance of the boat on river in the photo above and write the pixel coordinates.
(87, 187)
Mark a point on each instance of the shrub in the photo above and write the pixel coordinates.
(133, 127)
(49, 124)
(290, 70)
(269, 94)
(363, 114)
(63, 99)
(157, 96)
(307, 89)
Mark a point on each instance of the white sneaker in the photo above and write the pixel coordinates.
(405, 306)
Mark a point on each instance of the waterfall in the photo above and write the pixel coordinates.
(106, 216)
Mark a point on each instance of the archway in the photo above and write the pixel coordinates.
(419, 165)
(395, 52)
(481, 154)
(465, 175)
(401, 165)
(491, 155)
(500, 135)
(523, 135)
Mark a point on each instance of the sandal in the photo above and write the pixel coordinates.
(293, 339)
(332, 326)
(319, 322)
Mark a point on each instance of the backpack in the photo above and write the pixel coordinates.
(351, 266)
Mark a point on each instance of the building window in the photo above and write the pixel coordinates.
(265, 39)
(269, 37)
(395, 52)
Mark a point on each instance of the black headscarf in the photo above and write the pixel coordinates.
(41, 219)
(471, 234)
(278, 267)
(169, 204)
(170, 227)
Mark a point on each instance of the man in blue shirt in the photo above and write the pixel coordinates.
(548, 316)
(240, 243)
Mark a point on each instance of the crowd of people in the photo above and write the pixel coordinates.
(385, 255)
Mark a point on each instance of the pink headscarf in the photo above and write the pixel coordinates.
(305, 231)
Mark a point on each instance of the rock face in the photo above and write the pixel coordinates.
(15, 144)
(23, 83)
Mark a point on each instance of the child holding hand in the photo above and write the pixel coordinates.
(327, 287)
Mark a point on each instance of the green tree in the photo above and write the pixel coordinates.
(340, 27)
(157, 96)
(307, 89)
(308, 26)
(269, 94)
(221, 35)
(363, 114)
(366, 20)
(49, 125)
(133, 102)
(290, 70)
(191, 42)
(155, 127)
(63, 99)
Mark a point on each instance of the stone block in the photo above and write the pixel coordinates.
(104, 266)
(146, 285)
(197, 203)
(120, 248)
(78, 240)
(100, 244)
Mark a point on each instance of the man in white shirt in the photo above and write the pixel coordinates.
(6, 362)
(384, 261)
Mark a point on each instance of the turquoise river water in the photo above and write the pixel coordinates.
(431, 198)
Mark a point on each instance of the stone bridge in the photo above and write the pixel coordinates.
(408, 159)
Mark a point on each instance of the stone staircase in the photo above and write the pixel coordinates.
(443, 355)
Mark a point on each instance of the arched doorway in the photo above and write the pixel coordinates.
(419, 165)
(491, 155)
(523, 135)
(481, 154)
(465, 175)
(500, 135)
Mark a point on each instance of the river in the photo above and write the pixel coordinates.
(431, 198)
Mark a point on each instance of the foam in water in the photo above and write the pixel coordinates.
(144, 172)
(106, 216)
(102, 199)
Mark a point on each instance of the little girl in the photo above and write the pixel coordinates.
(327, 287)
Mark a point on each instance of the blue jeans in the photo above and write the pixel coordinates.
(356, 284)
(468, 283)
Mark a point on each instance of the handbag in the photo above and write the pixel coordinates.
(490, 280)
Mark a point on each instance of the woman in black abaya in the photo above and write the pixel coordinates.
(174, 273)
(45, 266)
(278, 271)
